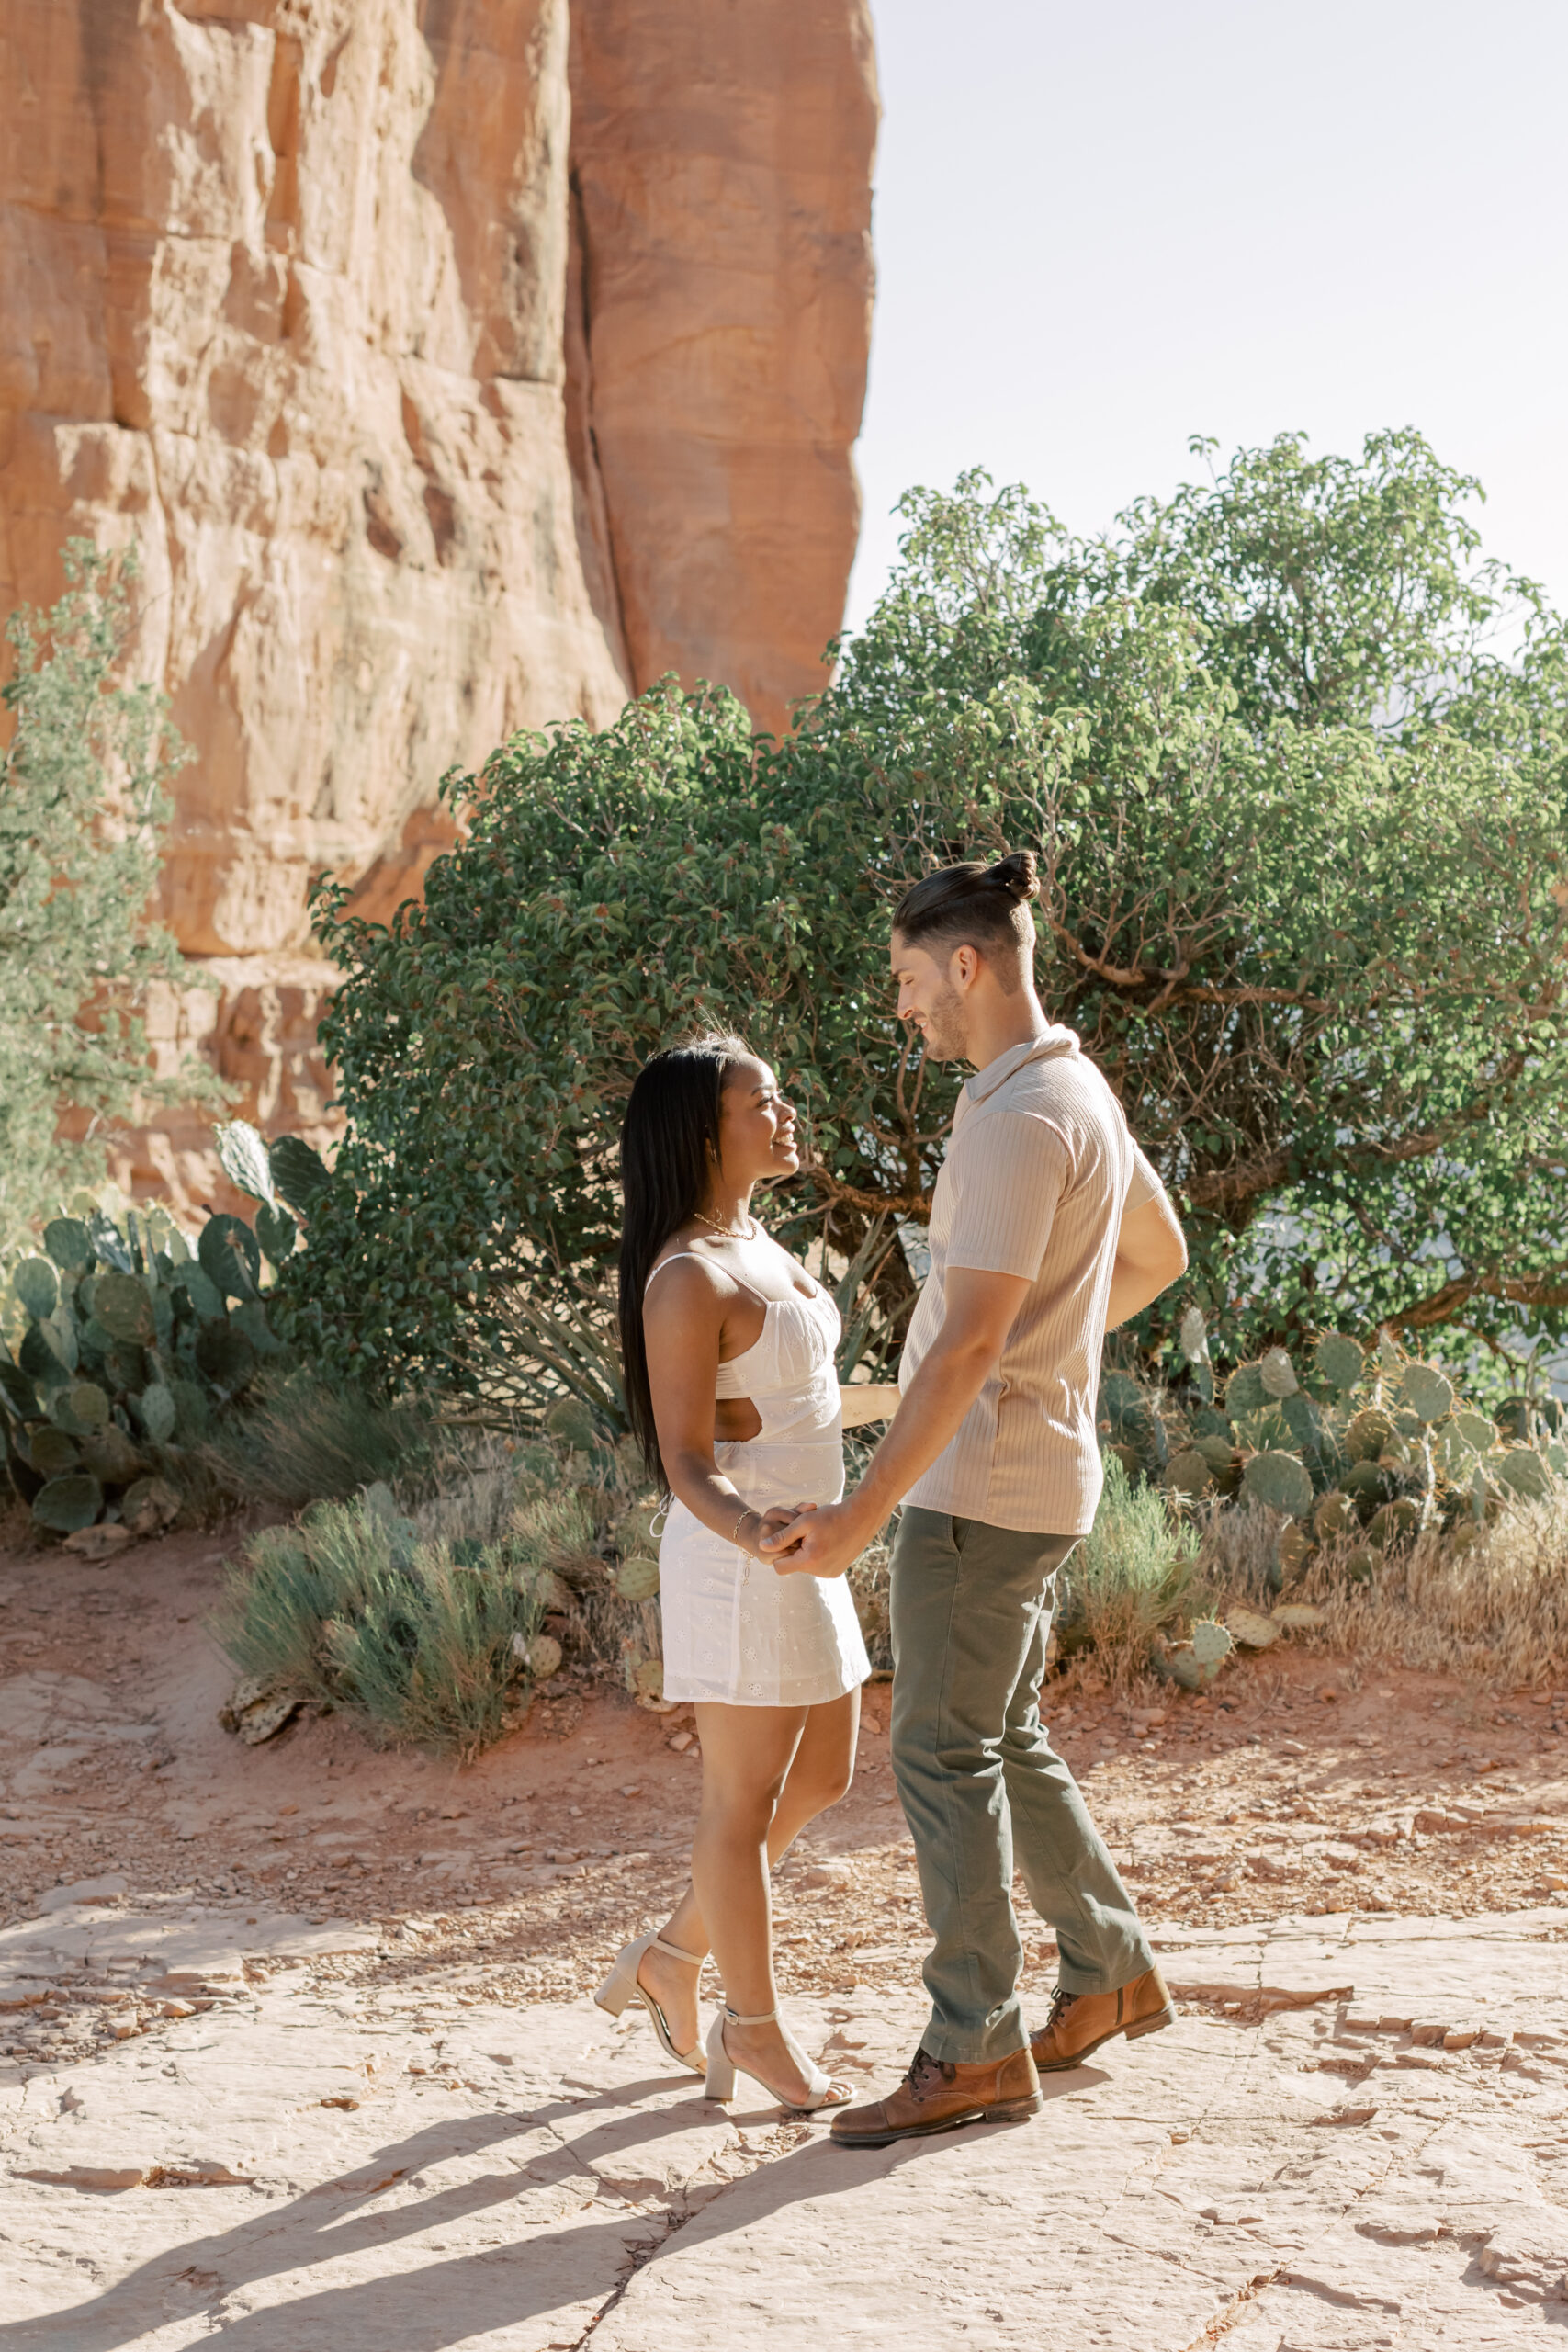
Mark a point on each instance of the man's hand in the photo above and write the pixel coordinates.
(775, 1520)
(820, 1542)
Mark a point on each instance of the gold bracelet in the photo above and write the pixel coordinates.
(750, 1511)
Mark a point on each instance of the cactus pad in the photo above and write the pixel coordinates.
(1280, 1481)
(301, 1174)
(121, 1305)
(80, 1407)
(36, 1284)
(1341, 1362)
(52, 1452)
(1193, 1336)
(276, 1232)
(156, 1406)
(638, 1579)
(648, 1679)
(1210, 1648)
(1292, 1549)
(109, 1454)
(1335, 1515)
(67, 1504)
(242, 1155)
(1523, 1472)
(230, 1257)
(1368, 1435)
(1245, 1392)
(1278, 1374)
(1426, 1392)
(1251, 1628)
(570, 1420)
(68, 1244)
(544, 1655)
(1188, 1471)
(1392, 1521)
(149, 1506)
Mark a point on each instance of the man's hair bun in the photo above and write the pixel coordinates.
(1017, 875)
(987, 905)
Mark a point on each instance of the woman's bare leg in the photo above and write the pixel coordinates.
(816, 1769)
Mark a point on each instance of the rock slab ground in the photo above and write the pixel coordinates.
(1355, 2135)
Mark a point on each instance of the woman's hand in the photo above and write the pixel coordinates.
(775, 1520)
(825, 1542)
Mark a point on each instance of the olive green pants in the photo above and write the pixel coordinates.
(982, 1786)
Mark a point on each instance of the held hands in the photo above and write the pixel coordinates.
(774, 1523)
(814, 1541)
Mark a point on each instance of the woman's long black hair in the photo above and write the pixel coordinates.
(668, 1148)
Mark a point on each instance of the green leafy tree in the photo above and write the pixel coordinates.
(83, 804)
(1302, 827)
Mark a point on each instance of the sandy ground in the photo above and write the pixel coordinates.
(166, 1892)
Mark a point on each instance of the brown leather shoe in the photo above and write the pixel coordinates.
(1079, 2022)
(937, 2095)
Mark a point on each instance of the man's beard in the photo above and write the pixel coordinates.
(947, 1032)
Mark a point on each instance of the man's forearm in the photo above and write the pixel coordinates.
(949, 1378)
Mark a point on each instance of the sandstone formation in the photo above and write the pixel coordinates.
(456, 366)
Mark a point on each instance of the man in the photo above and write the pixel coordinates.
(1047, 1225)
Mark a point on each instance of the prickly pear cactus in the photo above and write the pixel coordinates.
(1280, 1481)
(638, 1579)
(125, 1344)
(1360, 1448)
(1194, 1664)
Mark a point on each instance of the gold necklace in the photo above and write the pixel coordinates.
(727, 1231)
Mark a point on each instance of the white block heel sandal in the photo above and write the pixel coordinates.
(621, 1987)
(822, 2090)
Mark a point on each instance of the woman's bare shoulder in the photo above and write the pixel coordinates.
(686, 1282)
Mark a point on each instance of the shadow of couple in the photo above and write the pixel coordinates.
(519, 2274)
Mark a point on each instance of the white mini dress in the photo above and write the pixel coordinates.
(735, 1631)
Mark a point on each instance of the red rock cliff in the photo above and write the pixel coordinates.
(456, 365)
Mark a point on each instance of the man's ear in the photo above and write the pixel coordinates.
(964, 967)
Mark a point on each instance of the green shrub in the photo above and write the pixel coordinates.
(351, 1610)
(1134, 1578)
(1302, 834)
(83, 808)
(432, 1623)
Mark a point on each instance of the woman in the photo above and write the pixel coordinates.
(731, 1390)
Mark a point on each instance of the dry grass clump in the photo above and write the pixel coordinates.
(303, 1439)
(871, 1590)
(1497, 1609)
(1135, 1575)
(1237, 1550)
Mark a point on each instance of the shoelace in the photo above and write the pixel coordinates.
(921, 2067)
(1061, 2002)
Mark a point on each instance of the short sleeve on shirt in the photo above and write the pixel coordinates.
(1145, 1185)
(1010, 1173)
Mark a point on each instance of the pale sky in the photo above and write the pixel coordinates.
(1101, 229)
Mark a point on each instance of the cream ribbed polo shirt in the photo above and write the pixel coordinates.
(1039, 1170)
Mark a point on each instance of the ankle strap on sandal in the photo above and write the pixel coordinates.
(695, 1958)
(769, 2017)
